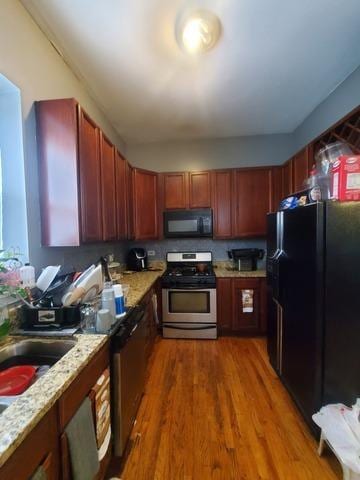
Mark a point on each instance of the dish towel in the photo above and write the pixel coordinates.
(39, 474)
(82, 443)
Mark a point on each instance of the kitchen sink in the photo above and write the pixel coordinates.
(34, 352)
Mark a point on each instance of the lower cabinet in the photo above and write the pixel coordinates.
(39, 449)
(46, 445)
(241, 306)
(70, 402)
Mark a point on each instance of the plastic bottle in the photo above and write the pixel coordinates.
(119, 301)
(27, 275)
(108, 301)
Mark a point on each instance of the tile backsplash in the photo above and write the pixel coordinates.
(219, 248)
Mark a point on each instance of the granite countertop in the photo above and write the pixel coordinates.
(225, 269)
(140, 283)
(25, 412)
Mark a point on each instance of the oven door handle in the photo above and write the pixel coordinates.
(188, 287)
(173, 327)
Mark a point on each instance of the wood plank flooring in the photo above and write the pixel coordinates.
(216, 410)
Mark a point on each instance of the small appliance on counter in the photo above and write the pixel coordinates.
(137, 259)
(245, 259)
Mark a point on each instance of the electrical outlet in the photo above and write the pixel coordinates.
(151, 253)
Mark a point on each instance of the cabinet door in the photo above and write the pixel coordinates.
(276, 188)
(247, 312)
(39, 448)
(121, 196)
(90, 181)
(224, 304)
(175, 190)
(57, 139)
(252, 199)
(300, 167)
(130, 213)
(287, 178)
(108, 192)
(222, 203)
(199, 190)
(145, 204)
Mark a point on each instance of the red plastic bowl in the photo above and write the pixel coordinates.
(15, 380)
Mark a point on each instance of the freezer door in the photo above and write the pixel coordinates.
(342, 303)
(272, 308)
(302, 292)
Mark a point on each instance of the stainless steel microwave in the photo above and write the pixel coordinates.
(188, 223)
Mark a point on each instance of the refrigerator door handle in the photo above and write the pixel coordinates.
(279, 337)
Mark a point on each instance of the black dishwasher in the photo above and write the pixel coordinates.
(128, 361)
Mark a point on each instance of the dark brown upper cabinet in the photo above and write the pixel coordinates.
(90, 179)
(199, 190)
(145, 204)
(301, 166)
(175, 190)
(287, 178)
(121, 196)
(182, 190)
(108, 189)
(276, 187)
(252, 201)
(78, 176)
(130, 201)
(222, 199)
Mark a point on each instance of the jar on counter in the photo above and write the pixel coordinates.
(88, 318)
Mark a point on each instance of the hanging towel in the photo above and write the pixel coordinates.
(82, 443)
(39, 474)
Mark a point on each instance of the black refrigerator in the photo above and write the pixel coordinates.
(313, 289)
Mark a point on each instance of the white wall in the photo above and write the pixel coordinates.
(31, 63)
(340, 102)
(212, 153)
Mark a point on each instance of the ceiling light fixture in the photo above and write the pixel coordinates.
(199, 32)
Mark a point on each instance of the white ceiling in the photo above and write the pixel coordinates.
(275, 62)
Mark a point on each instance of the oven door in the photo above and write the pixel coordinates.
(189, 305)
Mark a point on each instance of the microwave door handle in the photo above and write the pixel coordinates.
(200, 225)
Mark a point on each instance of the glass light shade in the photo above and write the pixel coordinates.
(199, 32)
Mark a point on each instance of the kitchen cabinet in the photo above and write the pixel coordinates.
(175, 190)
(90, 184)
(108, 189)
(287, 178)
(248, 319)
(199, 190)
(40, 448)
(77, 176)
(182, 190)
(70, 402)
(130, 201)
(145, 204)
(234, 315)
(221, 202)
(46, 445)
(276, 188)
(301, 166)
(252, 201)
(224, 304)
(121, 196)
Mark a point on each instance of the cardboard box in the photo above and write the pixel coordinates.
(346, 178)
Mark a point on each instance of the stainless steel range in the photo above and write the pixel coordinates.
(189, 296)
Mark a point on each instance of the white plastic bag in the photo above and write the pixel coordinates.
(341, 427)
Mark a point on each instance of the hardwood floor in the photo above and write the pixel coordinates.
(216, 410)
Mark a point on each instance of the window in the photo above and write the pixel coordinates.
(13, 222)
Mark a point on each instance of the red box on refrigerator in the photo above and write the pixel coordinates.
(346, 178)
